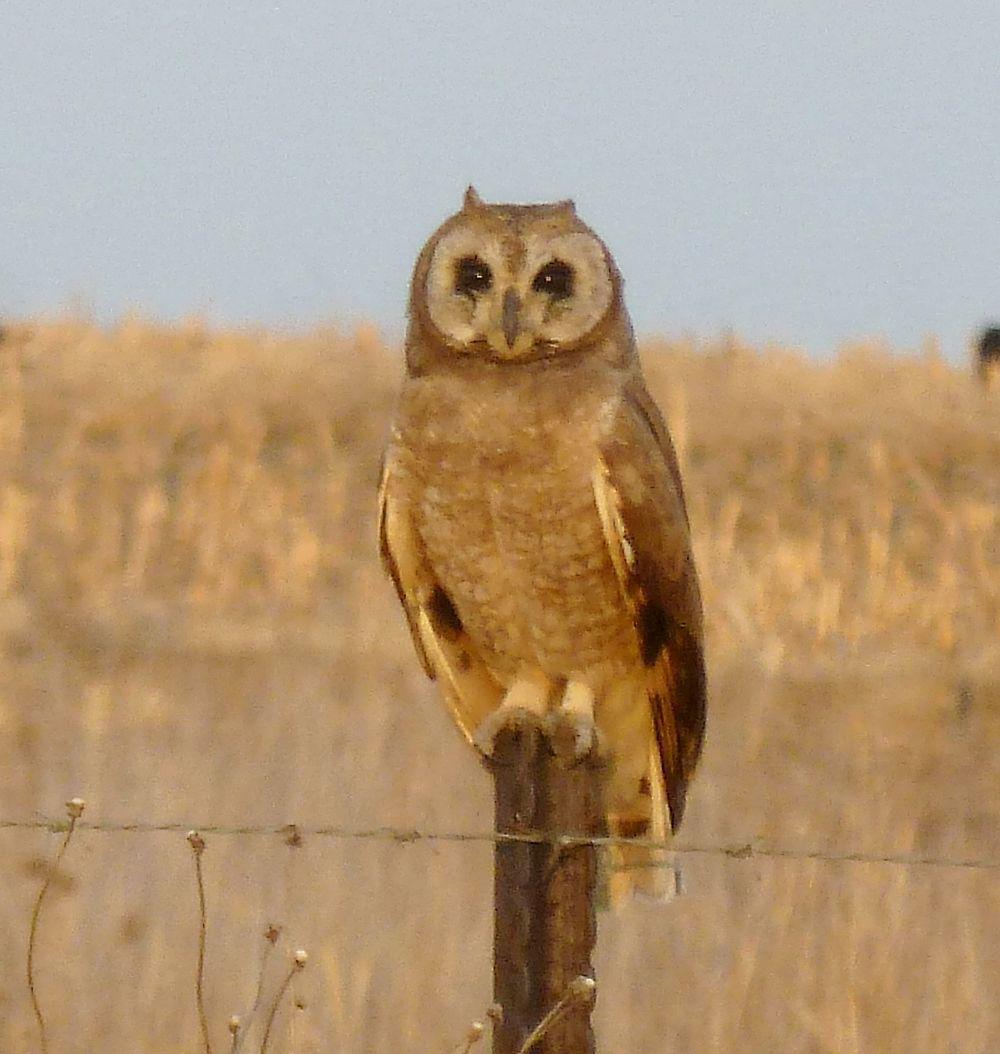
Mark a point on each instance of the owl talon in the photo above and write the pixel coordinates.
(575, 732)
(515, 718)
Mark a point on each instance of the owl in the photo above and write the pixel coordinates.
(532, 516)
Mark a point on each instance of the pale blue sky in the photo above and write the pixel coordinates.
(806, 173)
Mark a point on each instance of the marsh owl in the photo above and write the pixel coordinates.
(531, 511)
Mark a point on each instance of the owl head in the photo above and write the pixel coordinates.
(514, 284)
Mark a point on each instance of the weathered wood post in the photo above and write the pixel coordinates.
(545, 926)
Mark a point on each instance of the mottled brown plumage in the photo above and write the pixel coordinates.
(532, 516)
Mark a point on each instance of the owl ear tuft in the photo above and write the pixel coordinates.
(471, 200)
(567, 205)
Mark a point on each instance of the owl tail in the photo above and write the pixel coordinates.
(636, 802)
(631, 870)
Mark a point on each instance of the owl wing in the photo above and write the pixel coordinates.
(445, 649)
(637, 488)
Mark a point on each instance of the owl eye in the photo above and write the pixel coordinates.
(556, 279)
(472, 275)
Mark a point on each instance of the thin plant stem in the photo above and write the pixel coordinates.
(197, 844)
(578, 992)
(298, 962)
(473, 1036)
(74, 809)
(271, 935)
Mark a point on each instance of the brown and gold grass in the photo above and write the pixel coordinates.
(194, 628)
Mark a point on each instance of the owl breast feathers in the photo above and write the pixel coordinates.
(531, 510)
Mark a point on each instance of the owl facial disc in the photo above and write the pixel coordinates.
(515, 283)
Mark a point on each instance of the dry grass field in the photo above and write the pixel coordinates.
(194, 628)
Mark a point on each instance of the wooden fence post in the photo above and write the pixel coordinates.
(545, 925)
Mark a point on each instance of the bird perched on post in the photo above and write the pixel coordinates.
(531, 511)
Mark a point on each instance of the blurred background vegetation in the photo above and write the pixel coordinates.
(194, 628)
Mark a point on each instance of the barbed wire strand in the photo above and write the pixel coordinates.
(747, 850)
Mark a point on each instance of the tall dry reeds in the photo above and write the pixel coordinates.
(152, 477)
(194, 626)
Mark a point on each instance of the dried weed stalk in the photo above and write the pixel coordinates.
(271, 935)
(473, 1036)
(581, 991)
(197, 844)
(477, 1029)
(234, 1031)
(299, 960)
(74, 810)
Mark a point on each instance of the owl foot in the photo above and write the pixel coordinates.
(522, 709)
(571, 726)
(514, 718)
(574, 733)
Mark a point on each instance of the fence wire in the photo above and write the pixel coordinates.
(295, 834)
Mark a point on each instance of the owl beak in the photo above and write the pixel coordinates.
(510, 317)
